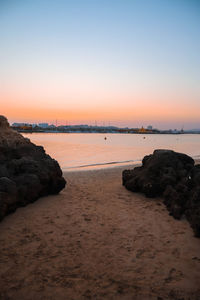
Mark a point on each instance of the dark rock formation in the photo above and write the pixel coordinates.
(26, 171)
(171, 175)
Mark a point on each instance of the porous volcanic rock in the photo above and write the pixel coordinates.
(171, 175)
(26, 171)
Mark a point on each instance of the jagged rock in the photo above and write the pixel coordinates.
(171, 175)
(26, 171)
(4, 123)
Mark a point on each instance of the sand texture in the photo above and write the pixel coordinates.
(97, 240)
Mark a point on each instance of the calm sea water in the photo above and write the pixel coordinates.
(83, 151)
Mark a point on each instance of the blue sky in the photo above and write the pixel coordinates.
(107, 56)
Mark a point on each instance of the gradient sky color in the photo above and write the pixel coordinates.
(127, 62)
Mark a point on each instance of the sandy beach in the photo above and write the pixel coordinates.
(97, 240)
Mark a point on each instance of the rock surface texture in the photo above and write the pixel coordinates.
(171, 175)
(26, 171)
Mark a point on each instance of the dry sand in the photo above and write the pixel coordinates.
(96, 240)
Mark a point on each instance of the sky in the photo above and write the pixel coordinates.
(120, 62)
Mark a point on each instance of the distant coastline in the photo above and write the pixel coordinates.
(29, 128)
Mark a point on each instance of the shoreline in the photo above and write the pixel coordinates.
(99, 167)
(107, 132)
(110, 165)
(97, 240)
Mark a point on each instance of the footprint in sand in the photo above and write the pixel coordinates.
(140, 253)
(174, 275)
(176, 252)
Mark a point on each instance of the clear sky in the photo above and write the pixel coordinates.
(127, 62)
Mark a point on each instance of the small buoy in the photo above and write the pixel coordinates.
(144, 137)
(105, 138)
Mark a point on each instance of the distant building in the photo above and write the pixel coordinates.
(149, 127)
(43, 125)
(51, 126)
(142, 130)
(19, 124)
(22, 126)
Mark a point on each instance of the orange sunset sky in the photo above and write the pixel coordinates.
(124, 63)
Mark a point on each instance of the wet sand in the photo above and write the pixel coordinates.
(96, 240)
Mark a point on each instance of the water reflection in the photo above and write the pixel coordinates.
(74, 150)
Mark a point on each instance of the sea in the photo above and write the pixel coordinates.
(85, 151)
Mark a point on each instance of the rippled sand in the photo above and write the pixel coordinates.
(96, 240)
